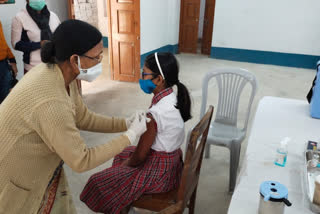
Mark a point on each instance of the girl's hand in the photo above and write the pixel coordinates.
(125, 163)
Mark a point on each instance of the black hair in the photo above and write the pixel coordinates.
(170, 68)
(70, 37)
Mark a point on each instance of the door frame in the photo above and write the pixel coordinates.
(71, 14)
(180, 25)
(110, 45)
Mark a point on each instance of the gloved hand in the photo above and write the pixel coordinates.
(137, 127)
(130, 119)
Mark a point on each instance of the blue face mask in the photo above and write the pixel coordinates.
(37, 4)
(147, 86)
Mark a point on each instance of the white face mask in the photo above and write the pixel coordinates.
(89, 74)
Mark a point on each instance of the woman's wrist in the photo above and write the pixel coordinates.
(14, 68)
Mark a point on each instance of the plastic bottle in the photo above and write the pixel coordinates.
(282, 152)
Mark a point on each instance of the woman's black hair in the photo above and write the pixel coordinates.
(170, 68)
(70, 37)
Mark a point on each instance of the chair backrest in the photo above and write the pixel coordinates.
(193, 159)
(231, 82)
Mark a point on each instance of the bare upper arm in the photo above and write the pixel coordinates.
(146, 140)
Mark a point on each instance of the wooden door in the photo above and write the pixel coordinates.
(124, 37)
(189, 25)
(208, 27)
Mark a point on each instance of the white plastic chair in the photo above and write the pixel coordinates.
(224, 130)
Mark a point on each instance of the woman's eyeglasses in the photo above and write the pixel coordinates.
(97, 58)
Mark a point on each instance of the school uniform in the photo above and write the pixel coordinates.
(112, 189)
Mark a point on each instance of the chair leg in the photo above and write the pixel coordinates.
(234, 163)
(207, 152)
(192, 202)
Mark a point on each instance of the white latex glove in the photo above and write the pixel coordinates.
(137, 127)
(130, 119)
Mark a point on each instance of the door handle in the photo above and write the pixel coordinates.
(138, 37)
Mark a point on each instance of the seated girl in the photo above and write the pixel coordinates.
(155, 165)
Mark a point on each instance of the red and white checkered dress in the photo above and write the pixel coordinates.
(112, 189)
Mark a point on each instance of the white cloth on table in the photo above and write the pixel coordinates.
(275, 119)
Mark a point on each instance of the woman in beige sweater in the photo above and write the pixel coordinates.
(40, 122)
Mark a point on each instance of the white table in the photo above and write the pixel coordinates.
(275, 119)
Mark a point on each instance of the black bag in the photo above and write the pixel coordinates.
(309, 95)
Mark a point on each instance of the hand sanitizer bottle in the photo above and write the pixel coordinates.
(282, 152)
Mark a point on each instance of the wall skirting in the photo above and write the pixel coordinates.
(105, 41)
(265, 57)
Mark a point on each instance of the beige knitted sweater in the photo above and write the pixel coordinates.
(39, 127)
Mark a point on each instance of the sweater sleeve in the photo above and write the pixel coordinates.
(54, 122)
(90, 121)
